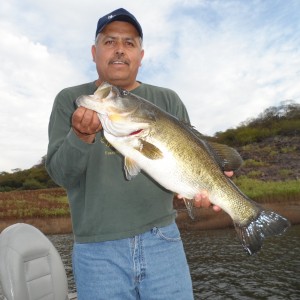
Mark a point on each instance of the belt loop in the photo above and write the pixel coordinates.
(154, 230)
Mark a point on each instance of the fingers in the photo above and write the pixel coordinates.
(217, 208)
(86, 124)
(86, 121)
(229, 173)
(202, 200)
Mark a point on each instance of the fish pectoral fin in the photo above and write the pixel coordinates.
(227, 158)
(189, 203)
(131, 168)
(149, 150)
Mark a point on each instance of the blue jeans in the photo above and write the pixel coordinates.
(148, 266)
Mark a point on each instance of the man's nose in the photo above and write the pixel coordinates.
(120, 49)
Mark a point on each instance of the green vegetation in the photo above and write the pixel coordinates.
(31, 179)
(274, 121)
(269, 191)
(254, 163)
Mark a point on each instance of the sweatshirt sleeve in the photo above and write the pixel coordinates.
(67, 155)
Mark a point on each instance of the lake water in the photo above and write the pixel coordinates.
(221, 269)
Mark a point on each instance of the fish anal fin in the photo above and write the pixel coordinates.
(149, 150)
(131, 168)
(189, 203)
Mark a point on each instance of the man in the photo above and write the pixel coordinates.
(127, 245)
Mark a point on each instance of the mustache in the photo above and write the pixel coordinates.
(119, 59)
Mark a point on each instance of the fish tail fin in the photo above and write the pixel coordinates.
(267, 223)
(189, 203)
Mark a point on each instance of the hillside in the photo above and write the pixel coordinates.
(269, 144)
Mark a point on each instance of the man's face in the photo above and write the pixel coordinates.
(118, 54)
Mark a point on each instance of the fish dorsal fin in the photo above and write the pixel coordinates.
(227, 158)
(131, 168)
(192, 129)
(149, 150)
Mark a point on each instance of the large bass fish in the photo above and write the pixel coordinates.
(179, 160)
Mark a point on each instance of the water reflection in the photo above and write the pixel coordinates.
(222, 270)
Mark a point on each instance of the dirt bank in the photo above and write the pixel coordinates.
(57, 225)
(205, 219)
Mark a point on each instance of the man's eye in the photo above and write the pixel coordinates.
(129, 44)
(109, 42)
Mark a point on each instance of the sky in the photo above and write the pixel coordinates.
(228, 60)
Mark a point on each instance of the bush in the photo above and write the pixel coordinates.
(281, 120)
(32, 184)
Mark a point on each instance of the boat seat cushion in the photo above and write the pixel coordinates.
(30, 266)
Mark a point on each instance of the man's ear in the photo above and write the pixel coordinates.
(93, 51)
(142, 56)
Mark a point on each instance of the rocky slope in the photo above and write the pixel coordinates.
(274, 159)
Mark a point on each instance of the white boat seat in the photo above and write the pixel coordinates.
(30, 266)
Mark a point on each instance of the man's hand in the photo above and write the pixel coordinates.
(202, 199)
(86, 124)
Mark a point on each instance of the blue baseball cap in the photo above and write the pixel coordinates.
(119, 14)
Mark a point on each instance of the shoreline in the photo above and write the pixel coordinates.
(205, 219)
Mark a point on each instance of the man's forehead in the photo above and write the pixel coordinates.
(120, 28)
(117, 36)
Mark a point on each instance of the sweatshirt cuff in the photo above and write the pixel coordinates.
(76, 142)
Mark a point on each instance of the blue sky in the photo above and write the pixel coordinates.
(227, 60)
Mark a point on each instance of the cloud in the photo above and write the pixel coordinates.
(231, 66)
(29, 80)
